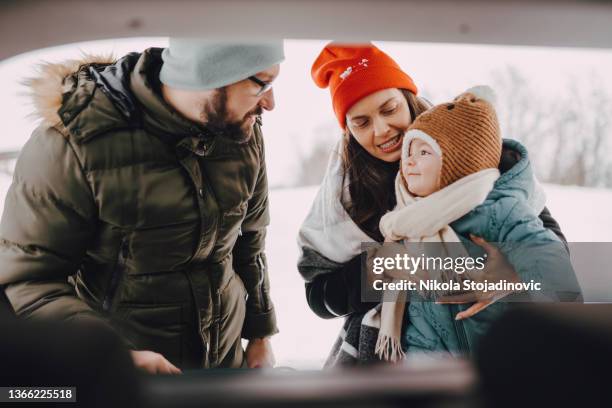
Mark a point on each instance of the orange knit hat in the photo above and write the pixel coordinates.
(355, 71)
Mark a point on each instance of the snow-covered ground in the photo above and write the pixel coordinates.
(304, 339)
(585, 214)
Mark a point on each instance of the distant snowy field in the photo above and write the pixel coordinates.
(304, 340)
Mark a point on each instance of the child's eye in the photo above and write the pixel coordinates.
(362, 124)
(389, 111)
(424, 152)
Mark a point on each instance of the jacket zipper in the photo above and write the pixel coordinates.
(460, 329)
(262, 271)
(211, 343)
(205, 339)
(117, 274)
(217, 328)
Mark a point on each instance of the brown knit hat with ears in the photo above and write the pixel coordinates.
(464, 132)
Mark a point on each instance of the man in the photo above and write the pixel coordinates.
(141, 203)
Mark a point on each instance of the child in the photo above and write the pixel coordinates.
(449, 187)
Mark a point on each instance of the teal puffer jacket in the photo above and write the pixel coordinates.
(509, 219)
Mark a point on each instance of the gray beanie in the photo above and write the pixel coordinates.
(198, 64)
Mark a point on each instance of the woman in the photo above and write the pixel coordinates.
(375, 102)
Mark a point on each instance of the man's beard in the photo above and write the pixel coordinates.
(215, 116)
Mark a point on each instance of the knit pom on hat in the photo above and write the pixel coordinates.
(484, 92)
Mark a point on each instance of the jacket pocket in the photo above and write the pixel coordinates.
(419, 333)
(155, 327)
(238, 210)
(116, 274)
(227, 329)
(415, 340)
(233, 217)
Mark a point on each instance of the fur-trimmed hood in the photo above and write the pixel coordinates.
(47, 86)
(96, 94)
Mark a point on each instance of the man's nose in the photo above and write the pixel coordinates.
(267, 100)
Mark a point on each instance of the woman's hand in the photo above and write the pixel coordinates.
(153, 363)
(496, 268)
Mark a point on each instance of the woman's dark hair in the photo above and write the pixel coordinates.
(371, 181)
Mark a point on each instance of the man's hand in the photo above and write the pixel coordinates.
(259, 353)
(496, 269)
(153, 363)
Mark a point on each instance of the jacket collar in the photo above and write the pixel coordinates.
(158, 116)
(519, 180)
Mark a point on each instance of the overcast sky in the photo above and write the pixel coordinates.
(441, 71)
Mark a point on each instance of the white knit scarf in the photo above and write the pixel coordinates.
(426, 219)
(328, 229)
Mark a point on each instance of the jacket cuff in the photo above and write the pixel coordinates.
(259, 325)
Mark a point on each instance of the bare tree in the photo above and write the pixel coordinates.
(520, 111)
(567, 136)
(312, 163)
(582, 129)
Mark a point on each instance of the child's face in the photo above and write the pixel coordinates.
(422, 169)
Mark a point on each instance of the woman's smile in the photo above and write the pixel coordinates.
(392, 144)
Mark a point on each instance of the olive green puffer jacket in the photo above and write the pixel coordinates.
(124, 212)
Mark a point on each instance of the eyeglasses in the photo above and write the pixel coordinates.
(265, 86)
